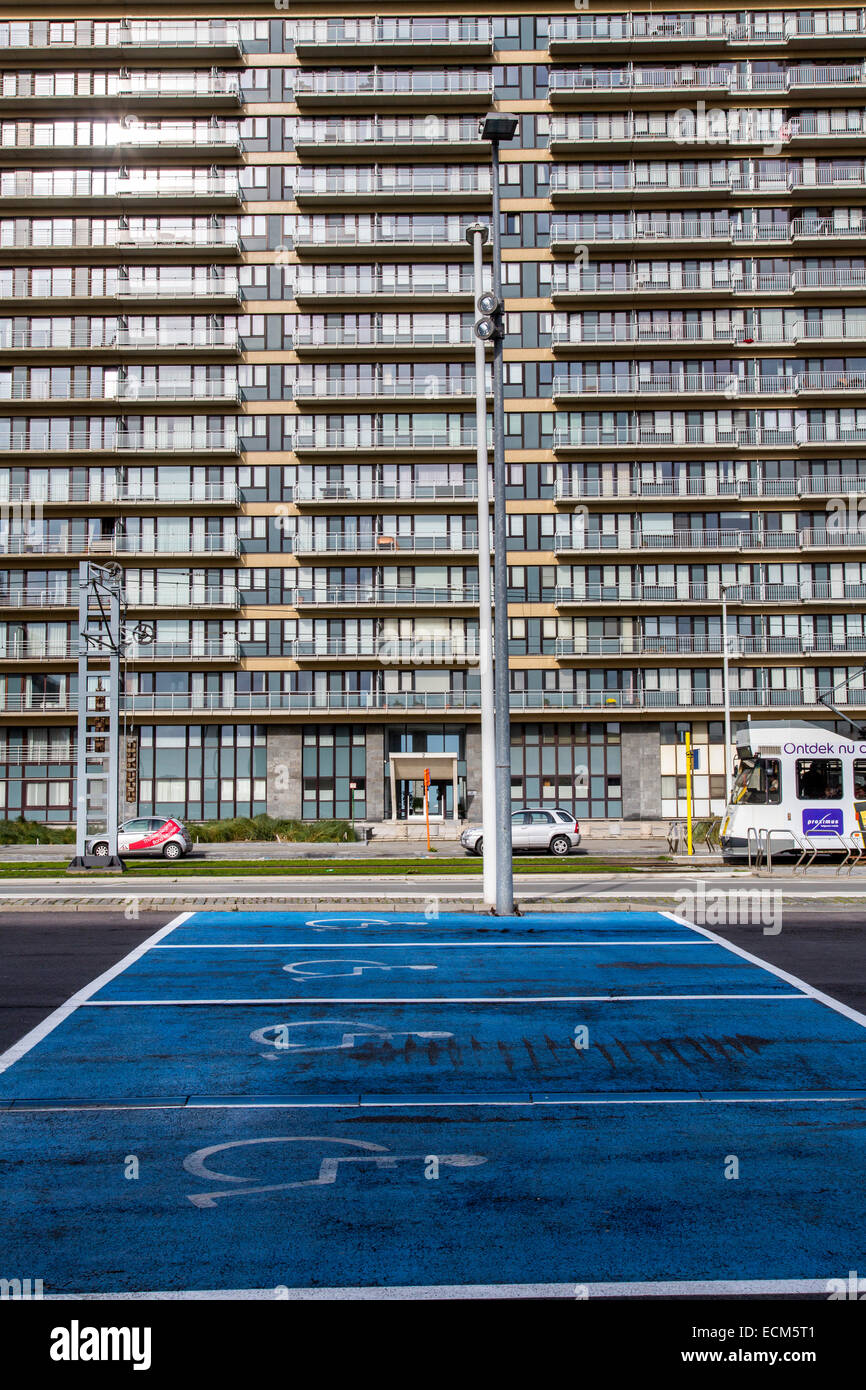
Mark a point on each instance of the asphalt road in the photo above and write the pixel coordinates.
(44, 958)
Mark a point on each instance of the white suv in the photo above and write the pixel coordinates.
(556, 831)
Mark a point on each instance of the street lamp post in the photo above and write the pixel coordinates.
(476, 235)
(497, 127)
(726, 688)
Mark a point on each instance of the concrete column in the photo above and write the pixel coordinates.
(375, 772)
(641, 772)
(285, 776)
(474, 798)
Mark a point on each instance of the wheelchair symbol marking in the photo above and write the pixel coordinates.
(329, 1169)
(355, 968)
(350, 1034)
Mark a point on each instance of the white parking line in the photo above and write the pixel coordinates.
(427, 999)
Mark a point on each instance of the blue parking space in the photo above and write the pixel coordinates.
(425, 1050)
(339, 1101)
(553, 1196)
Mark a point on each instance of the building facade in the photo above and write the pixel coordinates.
(237, 360)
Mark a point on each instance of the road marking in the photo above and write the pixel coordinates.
(391, 945)
(674, 1288)
(424, 999)
(82, 997)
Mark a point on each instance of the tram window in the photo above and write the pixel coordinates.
(819, 779)
(758, 782)
(859, 779)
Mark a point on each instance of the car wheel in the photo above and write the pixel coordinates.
(100, 850)
(172, 851)
(479, 846)
(560, 845)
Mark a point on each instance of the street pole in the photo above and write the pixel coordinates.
(689, 847)
(476, 234)
(495, 128)
(726, 683)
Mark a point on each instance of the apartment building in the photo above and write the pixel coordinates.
(237, 361)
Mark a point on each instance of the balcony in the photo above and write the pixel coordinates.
(193, 393)
(729, 386)
(148, 599)
(382, 441)
(113, 494)
(827, 331)
(385, 545)
(576, 489)
(177, 445)
(420, 389)
(705, 33)
(348, 338)
(577, 183)
(385, 596)
(392, 184)
(738, 595)
(456, 86)
(178, 91)
(209, 244)
(446, 236)
(60, 340)
(696, 438)
(205, 547)
(39, 189)
(224, 651)
(387, 651)
(364, 493)
(825, 538)
(407, 135)
(642, 230)
(622, 84)
(579, 282)
(214, 290)
(456, 283)
(324, 39)
(208, 39)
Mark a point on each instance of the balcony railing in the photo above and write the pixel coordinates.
(632, 436)
(386, 440)
(708, 384)
(111, 493)
(359, 287)
(192, 391)
(577, 280)
(206, 441)
(639, 229)
(221, 649)
(393, 181)
(578, 331)
(707, 78)
(386, 492)
(663, 29)
(349, 336)
(666, 178)
(383, 545)
(709, 645)
(807, 539)
(385, 82)
(385, 33)
(384, 595)
(445, 130)
(142, 596)
(400, 389)
(242, 704)
(386, 650)
(806, 591)
(59, 37)
(827, 485)
(121, 545)
(374, 233)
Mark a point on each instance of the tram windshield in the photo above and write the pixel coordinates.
(758, 782)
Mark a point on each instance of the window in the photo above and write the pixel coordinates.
(758, 782)
(859, 779)
(819, 779)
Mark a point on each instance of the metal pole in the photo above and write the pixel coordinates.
(689, 848)
(81, 768)
(485, 616)
(504, 868)
(727, 695)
